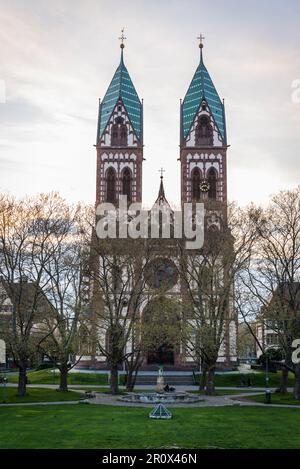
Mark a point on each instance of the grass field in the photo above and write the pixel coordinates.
(225, 392)
(257, 379)
(48, 377)
(287, 399)
(38, 395)
(89, 426)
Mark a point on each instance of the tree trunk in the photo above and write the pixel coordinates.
(63, 381)
(297, 382)
(210, 386)
(114, 379)
(22, 380)
(132, 368)
(202, 379)
(130, 383)
(284, 381)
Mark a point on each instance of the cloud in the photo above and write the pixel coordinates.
(7, 164)
(58, 58)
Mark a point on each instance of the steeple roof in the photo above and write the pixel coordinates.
(121, 87)
(200, 89)
(161, 198)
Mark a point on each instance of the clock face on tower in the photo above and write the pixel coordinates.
(204, 186)
(161, 273)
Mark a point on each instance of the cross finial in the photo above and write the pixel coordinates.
(122, 38)
(201, 39)
(161, 171)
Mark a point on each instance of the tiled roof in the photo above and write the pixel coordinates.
(202, 88)
(122, 87)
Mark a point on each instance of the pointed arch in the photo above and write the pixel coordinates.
(119, 133)
(204, 131)
(212, 178)
(127, 183)
(114, 134)
(123, 135)
(111, 185)
(196, 180)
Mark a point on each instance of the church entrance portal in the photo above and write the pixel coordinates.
(164, 355)
(161, 331)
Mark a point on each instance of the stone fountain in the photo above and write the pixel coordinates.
(160, 396)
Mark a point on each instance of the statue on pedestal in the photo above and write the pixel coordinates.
(160, 383)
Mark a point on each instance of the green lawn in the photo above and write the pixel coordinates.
(38, 395)
(257, 379)
(122, 390)
(89, 426)
(228, 379)
(277, 399)
(225, 392)
(48, 377)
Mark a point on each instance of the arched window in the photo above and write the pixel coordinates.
(119, 133)
(204, 131)
(196, 179)
(126, 183)
(212, 180)
(111, 185)
(123, 135)
(114, 135)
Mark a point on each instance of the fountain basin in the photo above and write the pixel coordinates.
(163, 397)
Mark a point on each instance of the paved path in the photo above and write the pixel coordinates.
(206, 401)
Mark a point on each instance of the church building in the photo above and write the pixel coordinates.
(203, 169)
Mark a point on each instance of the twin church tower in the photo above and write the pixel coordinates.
(203, 148)
(203, 141)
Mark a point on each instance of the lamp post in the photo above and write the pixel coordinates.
(4, 381)
(268, 391)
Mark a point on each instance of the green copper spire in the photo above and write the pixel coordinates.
(121, 87)
(200, 89)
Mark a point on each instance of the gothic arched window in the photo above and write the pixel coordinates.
(212, 180)
(123, 135)
(111, 185)
(119, 133)
(196, 179)
(204, 131)
(114, 135)
(126, 183)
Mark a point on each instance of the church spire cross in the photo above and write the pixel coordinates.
(122, 38)
(201, 39)
(161, 171)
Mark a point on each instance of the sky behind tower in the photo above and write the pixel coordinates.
(58, 57)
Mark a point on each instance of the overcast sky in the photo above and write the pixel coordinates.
(58, 57)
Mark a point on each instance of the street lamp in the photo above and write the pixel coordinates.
(4, 381)
(268, 391)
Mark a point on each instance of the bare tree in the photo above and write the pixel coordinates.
(27, 227)
(208, 280)
(269, 287)
(67, 274)
(119, 292)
